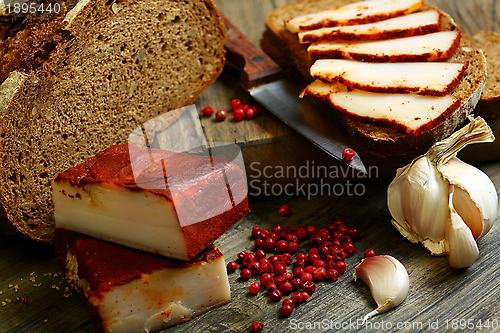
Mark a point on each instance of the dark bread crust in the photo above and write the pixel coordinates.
(121, 64)
(285, 49)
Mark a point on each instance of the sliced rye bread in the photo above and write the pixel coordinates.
(79, 82)
(489, 104)
(286, 50)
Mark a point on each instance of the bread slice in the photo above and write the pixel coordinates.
(489, 104)
(79, 81)
(285, 48)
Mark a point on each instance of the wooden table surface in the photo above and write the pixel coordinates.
(438, 294)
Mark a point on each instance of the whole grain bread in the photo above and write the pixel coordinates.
(79, 81)
(286, 50)
(489, 104)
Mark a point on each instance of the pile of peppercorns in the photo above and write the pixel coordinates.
(329, 247)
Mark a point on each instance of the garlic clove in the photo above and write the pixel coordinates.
(387, 279)
(476, 198)
(460, 245)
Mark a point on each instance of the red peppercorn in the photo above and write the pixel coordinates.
(306, 277)
(286, 288)
(349, 249)
(311, 230)
(339, 222)
(370, 253)
(280, 269)
(337, 243)
(266, 268)
(293, 247)
(301, 256)
(271, 287)
(324, 251)
(269, 244)
(262, 260)
(277, 229)
(353, 233)
(323, 231)
(332, 228)
(286, 310)
(348, 154)
(313, 257)
(254, 267)
(298, 271)
(288, 301)
(281, 246)
(266, 279)
(333, 274)
(330, 265)
(254, 288)
(245, 274)
(305, 296)
(279, 280)
(309, 287)
(264, 234)
(220, 115)
(276, 295)
(340, 266)
(319, 274)
(241, 254)
(309, 269)
(286, 258)
(258, 243)
(250, 113)
(261, 254)
(291, 238)
(338, 235)
(343, 228)
(288, 276)
(296, 297)
(231, 266)
(256, 232)
(235, 103)
(273, 235)
(285, 210)
(257, 327)
(300, 262)
(300, 233)
(256, 110)
(329, 258)
(345, 240)
(289, 230)
(297, 283)
(274, 258)
(207, 111)
(316, 240)
(319, 263)
(248, 258)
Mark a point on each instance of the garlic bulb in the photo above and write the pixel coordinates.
(437, 194)
(387, 279)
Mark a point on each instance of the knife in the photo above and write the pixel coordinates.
(261, 76)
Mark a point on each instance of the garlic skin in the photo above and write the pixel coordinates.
(437, 194)
(387, 279)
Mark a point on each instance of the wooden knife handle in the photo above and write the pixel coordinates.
(255, 65)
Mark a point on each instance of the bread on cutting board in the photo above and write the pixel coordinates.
(79, 81)
(285, 48)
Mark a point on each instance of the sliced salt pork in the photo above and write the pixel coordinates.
(410, 113)
(403, 26)
(424, 78)
(355, 13)
(429, 47)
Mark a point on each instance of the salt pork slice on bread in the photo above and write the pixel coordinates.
(410, 113)
(429, 47)
(133, 291)
(357, 13)
(168, 203)
(403, 26)
(424, 78)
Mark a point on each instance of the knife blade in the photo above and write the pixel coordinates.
(261, 77)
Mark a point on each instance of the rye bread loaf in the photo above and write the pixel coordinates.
(286, 50)
(489, 104)
(79, 81)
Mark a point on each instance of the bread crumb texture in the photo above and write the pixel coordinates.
(87, 83)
